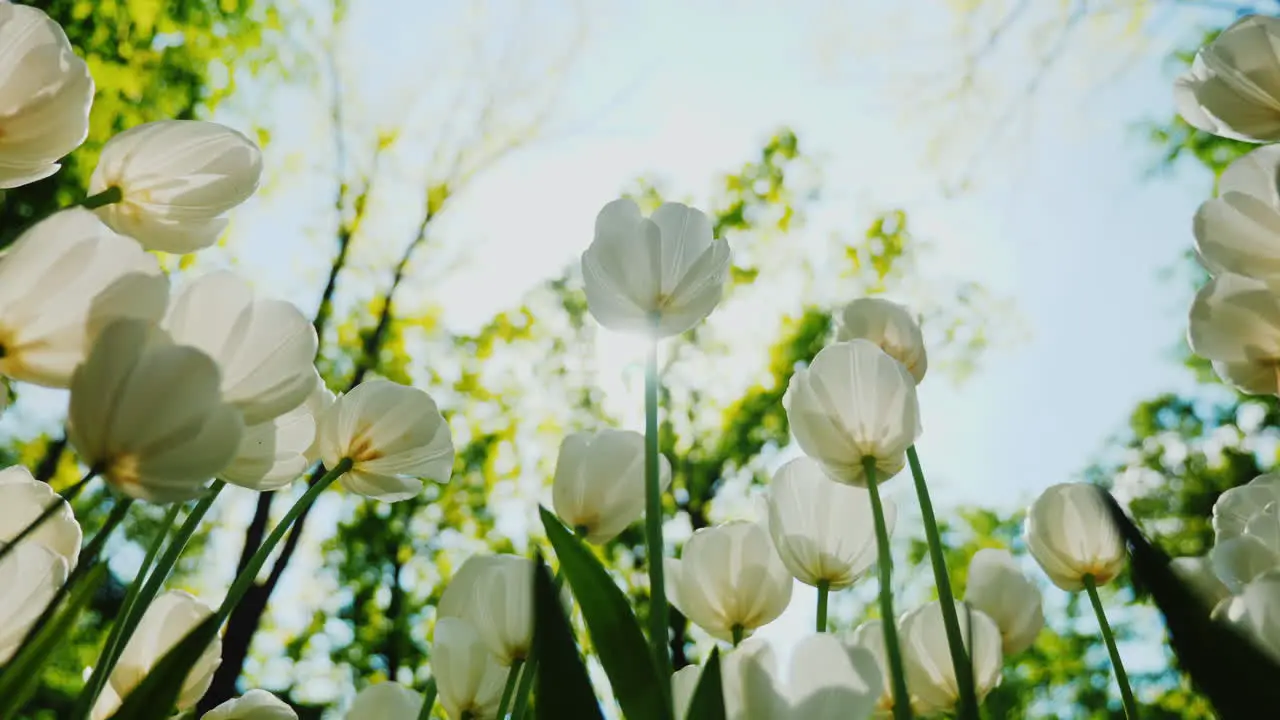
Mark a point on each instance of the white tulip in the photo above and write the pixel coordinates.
(1256, 612)
(22, 500)
(30, 576)
(1233, 86)
(1235, 322)
(1070, 534)
(1239, 559)
(870, 636)
(272, 454)
(854, 402)
(45, 93)
(1235, 232)
(470, 679)
(661, 275)
(684, 682)
(60, 282)
(826, 680)
(889, 325)
(998, 588)
(494, 594)
(169, 618)
(1199, 574)
(317, 404)
(729, 578)
(149, 416)
(178, 180)
(265, 348)
(386, 701)
(823, 531)
(393, 434)
(599, 482)
(253, 705)
(926, 655)
(1235, 507)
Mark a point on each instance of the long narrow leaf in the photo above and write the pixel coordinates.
(708, 696)
(615, 631)
(22, 675)
(563, 686)
(1237, 677)
(156, 695)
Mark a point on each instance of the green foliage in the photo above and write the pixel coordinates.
(708, 696)
(564, 689)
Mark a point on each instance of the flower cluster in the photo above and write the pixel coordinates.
(1233, 90)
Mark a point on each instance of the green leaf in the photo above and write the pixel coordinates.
(158, 692)
(615, 632)
(708, 696)
(21, 677)
(1236, 676)
(563, 686)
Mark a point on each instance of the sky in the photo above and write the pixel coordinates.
(1062, 217)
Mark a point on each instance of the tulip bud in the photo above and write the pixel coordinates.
(889, 325)
(1235, 231)
(394, 434)
(1238, 559)
(494, 594)
(870, 637)
(1198, 573)
(386, 701)
(165, 623)
(149, 416)
(64, 274)
(599, 482)
(854, 402)
(178, 179)
(45, 93)
(1070, 533)
(660, 275)
(824, 531)
(1235, 507)
(265, 348)
(825, 680)
(22, 500)
(684, 683)
(469, 677)
(998, 588)
(253, 705)
(272, 454)
(1233, 87)
(926, 655)
(729, 578)
(30, 576)
(1235, 322)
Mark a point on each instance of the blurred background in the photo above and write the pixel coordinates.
(1012, 170)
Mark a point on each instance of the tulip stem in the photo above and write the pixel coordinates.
(968, 697)
(653, 522)
(512, 676)
(1122, 678)
(429, 699)
(249, 575)
(67, 496)
(131, 611)
(109, 196)
(884, 562)
(824, 588)
(737, 633)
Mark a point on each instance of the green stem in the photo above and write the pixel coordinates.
(109, 196)
(132, 614)
(1122, 679)
(428, 699)
(653, 522)
(54, 507)
(884, 561)
(824, 588)
(521, 702)
(737, 632)
(246, 578)
(968, 696)
(513, 675)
